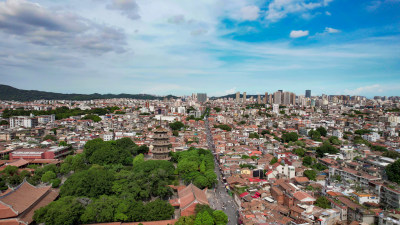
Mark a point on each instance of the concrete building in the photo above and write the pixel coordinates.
(201, 97)
(278, 97)
(308, 93)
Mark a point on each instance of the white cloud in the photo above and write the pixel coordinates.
(250, 12)
(128, 8)
(298, 33)
(230, 91)
(279, 9)
(366, 90)
(328, 13)
(331, 30)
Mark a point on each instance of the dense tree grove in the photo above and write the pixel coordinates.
(95, 118)
(393, 171)
(223, 127)
(107, 184)
(204, 216)
(120, 151)
(197, 166)
(323, 202)
(176, 125)
(326, 148)
(292, 136)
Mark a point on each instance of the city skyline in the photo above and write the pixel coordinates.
(172, 47)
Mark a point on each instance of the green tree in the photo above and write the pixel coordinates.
(254, 135)
(100, 210)
(273, 161)
(307, 161)
(55, 183)
(393, 171)
(66, 210)
(48, 176)
(220, 217)
(300, 152)
(138, 159)
(310, 174)
(10, 170)
(73, 163)
(315, 135)
(391, 154)
(4, 122)
(292, 136)
(90, 183)
(323, 203)
(326, 148)
(186, 220)
(159, 210)
(176, 125)
(204, 218)
(334, 140)
(50, 137)
(322, 131)
(3, 185)
(92, 117)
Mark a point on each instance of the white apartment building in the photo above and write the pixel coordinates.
(23, 121)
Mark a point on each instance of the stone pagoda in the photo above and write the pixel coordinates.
(160, 144)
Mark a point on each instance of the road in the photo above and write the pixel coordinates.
(221, 200)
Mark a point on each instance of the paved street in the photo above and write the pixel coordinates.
(220, 198)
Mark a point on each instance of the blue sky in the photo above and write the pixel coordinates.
(213, 46)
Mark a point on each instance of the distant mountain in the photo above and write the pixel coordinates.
(10, 93)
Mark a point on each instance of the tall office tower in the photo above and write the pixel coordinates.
(194, 96)
(293, 98)
(308, 93)
(286, 98)
(270, 99)
(237, 96)
(278, 97)
(265, 98)
(160, 145)
(259, 99)
(244, 97)
(201, 97)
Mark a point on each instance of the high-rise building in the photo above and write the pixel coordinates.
(278, 97)
(266, 98)
(308, 93)
(237, 96)
(244, 97)
(286, 98)
(201, 97)
(259, 99)
(292, 98)
(160, 145)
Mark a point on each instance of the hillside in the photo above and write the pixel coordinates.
(10, 93)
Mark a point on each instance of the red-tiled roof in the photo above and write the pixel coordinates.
(20, 199)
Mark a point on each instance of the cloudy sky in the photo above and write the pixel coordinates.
(213, 46)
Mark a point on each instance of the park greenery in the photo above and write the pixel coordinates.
(323, 202)
(393, 171)
(204, 216)
(223, 127)
(292, 136)
(195, 166)
(326, 148)
(110, 181)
